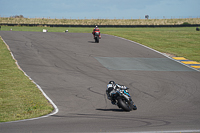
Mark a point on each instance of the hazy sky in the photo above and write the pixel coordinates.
(103, 9)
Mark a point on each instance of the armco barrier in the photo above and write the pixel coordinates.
(120, 26)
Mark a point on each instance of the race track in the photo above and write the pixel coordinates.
(74, 71)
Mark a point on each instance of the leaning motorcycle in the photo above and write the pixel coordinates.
(124, 100)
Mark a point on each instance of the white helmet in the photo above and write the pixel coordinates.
(96, 26)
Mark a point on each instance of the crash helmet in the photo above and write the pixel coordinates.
(112, 82)
(96, 26)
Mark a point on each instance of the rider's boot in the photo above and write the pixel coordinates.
(134, 107)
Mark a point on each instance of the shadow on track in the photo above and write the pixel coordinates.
(114, 110)
(91, 41)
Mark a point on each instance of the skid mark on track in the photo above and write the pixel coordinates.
(95, 91)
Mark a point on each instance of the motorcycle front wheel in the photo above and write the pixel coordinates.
(125, 105)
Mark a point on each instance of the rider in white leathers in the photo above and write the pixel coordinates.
(111, 90)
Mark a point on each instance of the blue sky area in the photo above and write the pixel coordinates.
(101, 9)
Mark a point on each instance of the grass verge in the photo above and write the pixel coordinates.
(19, 97)
(183, 41)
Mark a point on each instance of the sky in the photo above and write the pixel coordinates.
(101, 9)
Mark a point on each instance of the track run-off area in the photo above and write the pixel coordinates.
(73, 72)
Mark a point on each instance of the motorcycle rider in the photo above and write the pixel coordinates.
(111, 90)
(96, 29)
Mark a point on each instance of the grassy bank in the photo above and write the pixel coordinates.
(177, 41)
(19, 97)
(10, 20)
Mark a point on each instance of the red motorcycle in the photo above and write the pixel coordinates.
(97, 37)
(96, 33)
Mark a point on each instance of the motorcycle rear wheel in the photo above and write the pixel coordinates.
(97, 39)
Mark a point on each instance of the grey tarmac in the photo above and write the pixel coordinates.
(74, 71)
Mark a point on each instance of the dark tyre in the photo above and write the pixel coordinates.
(97, 39)
(125, 105)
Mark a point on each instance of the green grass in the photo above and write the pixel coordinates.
(50, 29)
(177, 41)
(19, 97)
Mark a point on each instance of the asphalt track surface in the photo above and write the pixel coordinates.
(74, 71)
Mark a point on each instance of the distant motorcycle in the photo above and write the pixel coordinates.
(97, 37)
(124, 100)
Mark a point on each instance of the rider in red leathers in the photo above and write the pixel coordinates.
(96, 29)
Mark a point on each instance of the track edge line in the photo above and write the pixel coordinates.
(55, 111)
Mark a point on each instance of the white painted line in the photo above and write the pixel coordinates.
(55, 107)
(175, 131)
